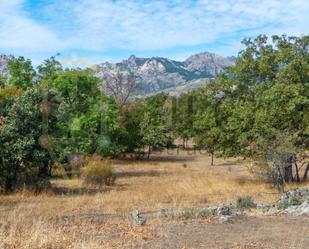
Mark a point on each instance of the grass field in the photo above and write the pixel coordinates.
(175, 180)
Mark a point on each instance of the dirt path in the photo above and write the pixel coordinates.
(248, 232)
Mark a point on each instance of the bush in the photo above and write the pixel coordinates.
(245, 203)
(23, 161)
(99, 173)
(293, 201)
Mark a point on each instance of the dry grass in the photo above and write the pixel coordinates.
(167, 181)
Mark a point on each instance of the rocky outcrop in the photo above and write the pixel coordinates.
(294, 202)
(294, 197)
(296, 210)
(4, 59)
(223, 212)
(157, 73)
(137, 218)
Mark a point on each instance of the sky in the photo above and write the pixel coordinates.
(93, 31)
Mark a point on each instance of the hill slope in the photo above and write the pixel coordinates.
(157, 74)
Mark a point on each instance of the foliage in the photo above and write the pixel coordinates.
(99, 173)
(22, 159)
(183, 116)
(245, 203)
(259, 109)
(7, 96)
(86, 114)
(22, 73)
(155, 124)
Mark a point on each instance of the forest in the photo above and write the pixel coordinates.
(257, 110)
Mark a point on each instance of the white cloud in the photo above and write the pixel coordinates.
(19, 33)
(139, 25)
(143, 25)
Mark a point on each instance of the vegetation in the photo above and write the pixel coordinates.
(99, 173)
(245, 203)
(258, 109)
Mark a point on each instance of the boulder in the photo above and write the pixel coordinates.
(294, 197)
(302, 209)
(137, 218)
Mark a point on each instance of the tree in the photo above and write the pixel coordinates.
(183, 116)
(266, 95)
(22, 74)
(155, 126)
(208, 121)
(89, 118)
(22, 159)
(50, 68)
(120, 86)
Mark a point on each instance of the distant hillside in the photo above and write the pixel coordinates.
(4, 59)
(159, 74)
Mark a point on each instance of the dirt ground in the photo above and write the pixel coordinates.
(248, 232)
(83, 217)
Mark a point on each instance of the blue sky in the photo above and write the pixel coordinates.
(92, 31)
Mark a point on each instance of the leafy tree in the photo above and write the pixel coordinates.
(22, 159)
(183, 116)
(22, 74)
(132, 115)
(208, 121)
(266, 95)
(3, 81)
(155, 124)
(50, 68)
(89, 119)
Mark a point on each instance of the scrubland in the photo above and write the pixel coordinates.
(82, 216)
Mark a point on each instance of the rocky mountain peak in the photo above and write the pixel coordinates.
(4, 60)
(158, 73)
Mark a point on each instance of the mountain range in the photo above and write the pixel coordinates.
(4, 59)
(158, 74)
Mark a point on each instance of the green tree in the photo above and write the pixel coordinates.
(266, 98)
(183, 116)
(155, 124)
(89, 118)
(22, 74)
(22, 159)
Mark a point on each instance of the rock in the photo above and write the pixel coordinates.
(137, 219)
(293, 197)
(226, 213)
(302, 209)
(156, 74)
(227, 218)
(225, 209)
(4, 60)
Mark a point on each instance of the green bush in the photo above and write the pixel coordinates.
(98, 173)
(294, 201)
(245, 203)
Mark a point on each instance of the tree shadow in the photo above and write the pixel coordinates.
(75, 191)
(156, 159)
(151, 173)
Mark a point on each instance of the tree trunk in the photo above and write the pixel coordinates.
(297, 171)
(288, 170)
(212, 158)
(306, 173)
(149, 151)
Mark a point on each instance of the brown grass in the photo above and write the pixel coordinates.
(166, 181)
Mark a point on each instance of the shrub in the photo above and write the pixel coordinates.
(293, 201)
(99, 173)
(245, 203)
(23, 161)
